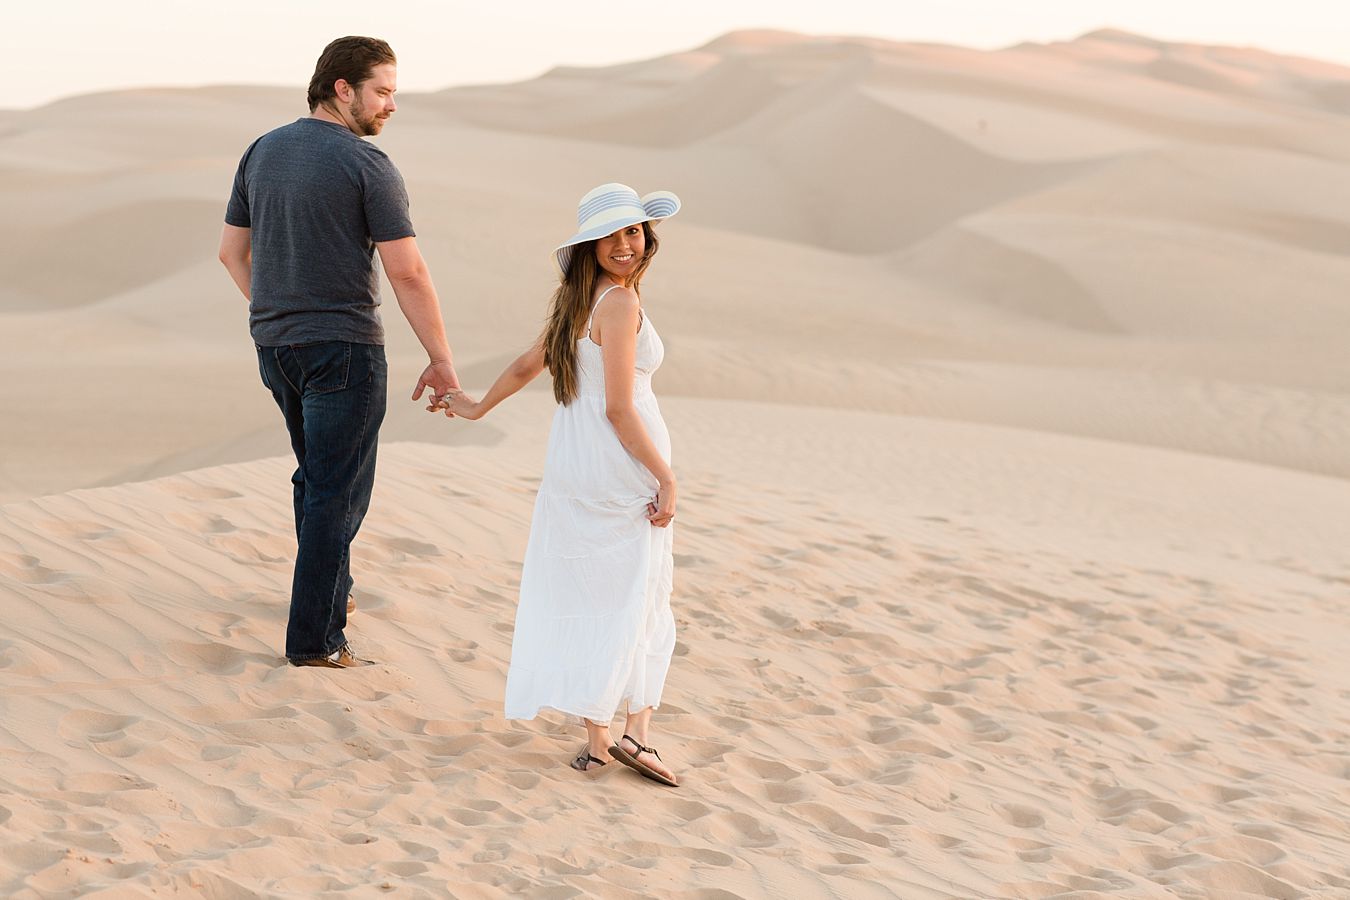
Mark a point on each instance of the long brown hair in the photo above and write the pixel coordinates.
(571, 307)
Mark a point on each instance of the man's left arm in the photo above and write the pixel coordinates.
(236, 252)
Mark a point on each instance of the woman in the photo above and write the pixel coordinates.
(594, 627)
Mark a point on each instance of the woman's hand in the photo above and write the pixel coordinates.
(457, 403)
(662, 512)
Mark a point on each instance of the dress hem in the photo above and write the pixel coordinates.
(597, 717)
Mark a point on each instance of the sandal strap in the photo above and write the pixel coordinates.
(642, 749)
(586, 759)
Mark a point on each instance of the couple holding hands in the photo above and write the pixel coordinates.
(312, 205)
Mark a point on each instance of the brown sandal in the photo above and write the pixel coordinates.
(583, 762)
(631, 761)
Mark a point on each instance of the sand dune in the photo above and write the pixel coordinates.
(120, 249)
(1023, 666)
(1009, 395)
(923, 207)
(1244, 71)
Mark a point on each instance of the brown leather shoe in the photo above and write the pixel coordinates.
(323, 662)
(348, 659)
(344, 658)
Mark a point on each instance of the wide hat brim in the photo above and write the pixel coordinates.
(608, 208)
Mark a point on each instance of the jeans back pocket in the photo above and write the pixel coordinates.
(326, 367)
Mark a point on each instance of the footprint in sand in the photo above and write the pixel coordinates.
(252, 547)
(687, 810)
(522, 780)
(983, 727)
(1219, 793)
(461, 651)
(407, 546)
(1136, 808)
(705, 752)
(112, 735)
(778, 619)
(202, 523)
(832, 821)
(1033, 851)
(214, 658)
(30, 659)
(1250, 850)
(74, 529)
(1022, 816)
(28, 569)
(358, 838)
(784, 794)
(741, 830)
(419, 851)
(92, 725)
(469, 818)
(221, 807)
(188, 490)
(888, 734)
(766, 769)
(217, 752)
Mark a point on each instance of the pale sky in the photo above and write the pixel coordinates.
(57, 49)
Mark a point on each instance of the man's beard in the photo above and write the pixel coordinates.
(367, 126)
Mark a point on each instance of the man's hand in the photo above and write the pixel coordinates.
(440, 377)
(457, 403)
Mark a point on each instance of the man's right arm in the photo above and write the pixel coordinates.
(236, 252)
(411, 279)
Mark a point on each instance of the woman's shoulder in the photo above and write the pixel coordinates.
(617, 299)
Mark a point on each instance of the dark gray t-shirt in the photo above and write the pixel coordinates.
(316, 198)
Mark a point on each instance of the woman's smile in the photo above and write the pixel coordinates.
(621, 252)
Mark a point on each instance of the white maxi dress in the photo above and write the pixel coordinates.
(594, 628)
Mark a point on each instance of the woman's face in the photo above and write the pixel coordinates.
(618, 254)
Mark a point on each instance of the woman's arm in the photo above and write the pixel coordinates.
(524, 369)
(618, 325)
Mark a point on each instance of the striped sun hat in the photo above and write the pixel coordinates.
(610, 207)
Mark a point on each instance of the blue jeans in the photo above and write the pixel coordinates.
(332, 395)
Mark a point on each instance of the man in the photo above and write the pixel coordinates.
(312, 203)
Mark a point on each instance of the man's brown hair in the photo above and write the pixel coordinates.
(351, 59)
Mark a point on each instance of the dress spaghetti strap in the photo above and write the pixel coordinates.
(596, 305)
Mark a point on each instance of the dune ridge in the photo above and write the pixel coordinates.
(883, 213)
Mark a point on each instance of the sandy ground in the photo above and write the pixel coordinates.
(1009, 400)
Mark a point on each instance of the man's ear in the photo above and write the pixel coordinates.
(344, 90)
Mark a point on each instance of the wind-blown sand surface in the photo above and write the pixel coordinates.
(1009, 400)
